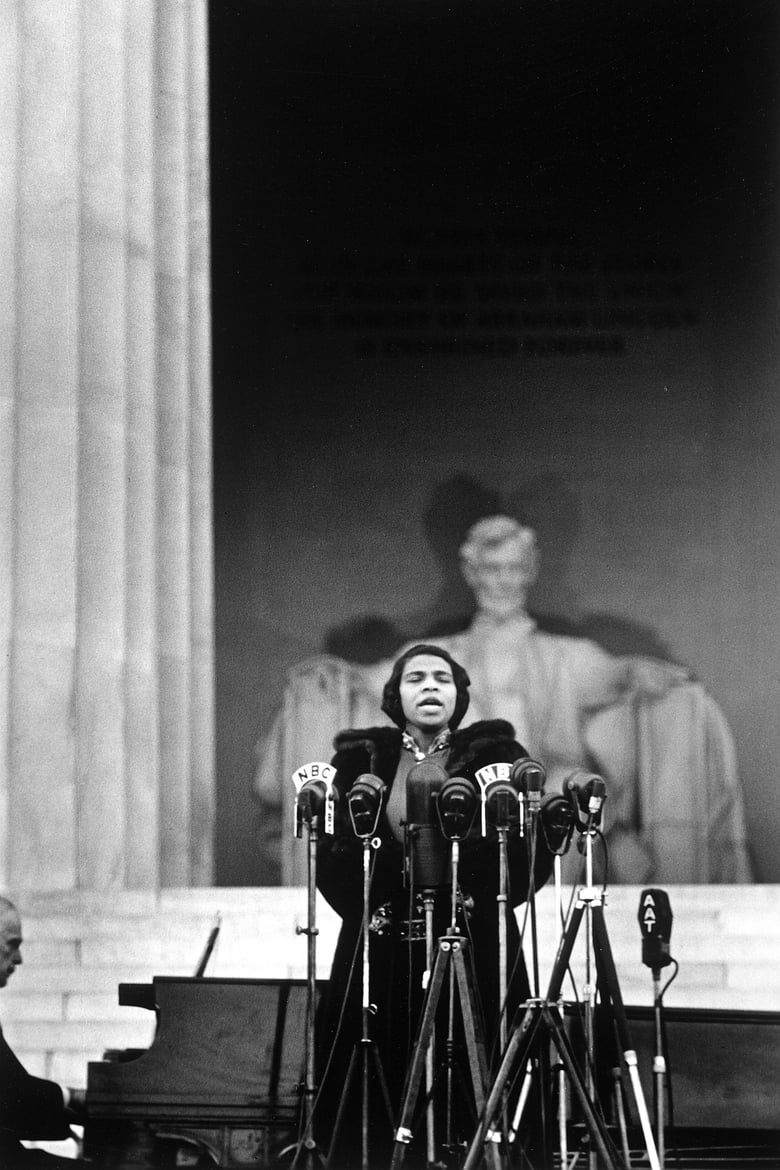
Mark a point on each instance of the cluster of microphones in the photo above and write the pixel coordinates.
(442, 808)
(508, 793)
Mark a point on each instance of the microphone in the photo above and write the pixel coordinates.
(587, 792)
(314, 793)
(655, 922)
(528, 777)
(501, 803)
(365, 804)
(429, 852)
(557, 821)
(456, 804)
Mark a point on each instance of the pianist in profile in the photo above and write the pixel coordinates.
(31, 1108)
(426, 697)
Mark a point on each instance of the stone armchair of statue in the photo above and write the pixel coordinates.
(322, 695)
(675, 809)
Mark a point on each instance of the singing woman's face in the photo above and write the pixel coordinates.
(428, 693)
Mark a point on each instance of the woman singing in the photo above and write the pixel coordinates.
(426, 697)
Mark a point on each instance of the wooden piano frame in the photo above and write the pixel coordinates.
(223, 1075)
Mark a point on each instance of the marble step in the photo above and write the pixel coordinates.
(60, 1009)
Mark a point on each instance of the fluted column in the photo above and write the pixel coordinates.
(105, 497)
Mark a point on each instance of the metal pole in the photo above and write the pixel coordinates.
(563, 1098)
(501, 899)
(428, 901)
(311, 970)
(310, 930)
(659, 1071)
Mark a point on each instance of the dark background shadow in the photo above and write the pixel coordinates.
(343, 137)
(547, 506)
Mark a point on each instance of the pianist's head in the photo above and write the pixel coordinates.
(10, 939)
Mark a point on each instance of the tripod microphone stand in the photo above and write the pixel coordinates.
(456, 806)
(314, 804)
(365, 803)
(505, 790)
(558, 823)
(503, 787)
(567, 831)
(425, 863)
(543, 1017)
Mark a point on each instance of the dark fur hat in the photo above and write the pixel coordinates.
(391, 695)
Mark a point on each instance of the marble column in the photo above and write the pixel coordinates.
(106, 679)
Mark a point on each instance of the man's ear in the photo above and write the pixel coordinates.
(470, 573)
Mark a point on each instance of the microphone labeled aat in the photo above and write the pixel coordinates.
(655, 922)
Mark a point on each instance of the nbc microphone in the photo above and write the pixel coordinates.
(314, 795)
(655, 922)
(501, 803)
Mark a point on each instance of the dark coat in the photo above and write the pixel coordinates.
(31, 1108)
(396, 966)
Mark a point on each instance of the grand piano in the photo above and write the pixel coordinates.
(220, 1085)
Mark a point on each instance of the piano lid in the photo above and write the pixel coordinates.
(224, 1047)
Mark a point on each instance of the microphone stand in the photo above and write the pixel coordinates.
(534, 802)
(450, 1047)
(429, 900)
(365, 804)
(366, 1045)
(593, 903)
(563, 1094)
(543, 1020)
(659, 1069)
(456, 807)
(502, 820)
(506, 810)
(421, 854)
(502, 898)
(558, 924)
(313, 795)
(588, 896)
(523, 791)
(655, 920)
